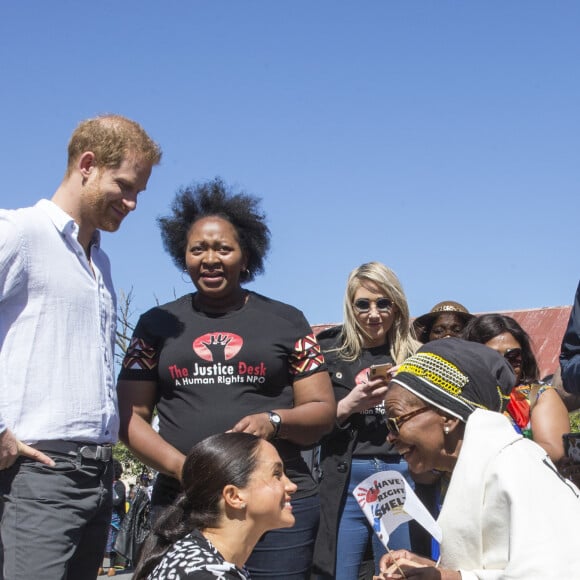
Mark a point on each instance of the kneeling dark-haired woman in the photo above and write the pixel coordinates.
(235, 490)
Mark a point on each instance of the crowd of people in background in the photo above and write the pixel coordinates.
(244, 393)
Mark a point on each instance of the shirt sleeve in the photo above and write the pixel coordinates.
(306, 358)
(141, 360)
(12, 257)
(13, 272)
(570, 354)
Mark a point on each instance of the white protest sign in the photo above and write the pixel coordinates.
(388, 501)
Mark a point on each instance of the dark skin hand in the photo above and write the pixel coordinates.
(405, 564)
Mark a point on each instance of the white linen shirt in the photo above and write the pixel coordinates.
(57, 330)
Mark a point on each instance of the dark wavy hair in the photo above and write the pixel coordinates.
(487, 326)
(220, 460)
(215, 198)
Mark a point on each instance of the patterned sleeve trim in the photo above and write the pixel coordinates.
(140, 356)
(307, 356)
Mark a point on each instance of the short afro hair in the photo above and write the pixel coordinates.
(215, 198)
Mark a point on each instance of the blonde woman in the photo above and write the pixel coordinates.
(375, 331)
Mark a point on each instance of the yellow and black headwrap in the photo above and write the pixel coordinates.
(458, 377)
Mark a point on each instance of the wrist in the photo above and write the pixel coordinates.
(276, 422)
(343, 411)
(176, 468)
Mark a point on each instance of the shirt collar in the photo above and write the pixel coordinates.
(63, 222)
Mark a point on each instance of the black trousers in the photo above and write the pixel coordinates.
(54, 520)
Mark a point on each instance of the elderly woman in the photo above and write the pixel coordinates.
(507, 513)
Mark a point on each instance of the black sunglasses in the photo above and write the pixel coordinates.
(513, 356)
(364, 304)
(394, 424)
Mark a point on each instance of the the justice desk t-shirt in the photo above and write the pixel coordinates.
(212, 370)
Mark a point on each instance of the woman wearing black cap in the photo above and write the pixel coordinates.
(507, 513)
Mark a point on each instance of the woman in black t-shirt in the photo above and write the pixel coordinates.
(226, 359)
(375, 331)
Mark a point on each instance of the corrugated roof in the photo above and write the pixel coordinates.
(546, 327)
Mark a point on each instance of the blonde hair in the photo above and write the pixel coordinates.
(111, 138)
(400, 337)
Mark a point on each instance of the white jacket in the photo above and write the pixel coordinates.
(507, 512)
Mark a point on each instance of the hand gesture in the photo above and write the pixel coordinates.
(11, 448)
(405, 564)
(257, 424)
(363, 396)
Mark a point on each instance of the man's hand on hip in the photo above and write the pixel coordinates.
(11, 448)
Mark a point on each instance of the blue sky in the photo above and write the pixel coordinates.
(439, 137)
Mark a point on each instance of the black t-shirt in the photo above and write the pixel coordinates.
(213, 370)
(370, 424)
(372, 427)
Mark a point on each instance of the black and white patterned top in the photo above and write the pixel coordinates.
(195, 557)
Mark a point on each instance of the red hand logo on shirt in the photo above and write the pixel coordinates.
(217, 346)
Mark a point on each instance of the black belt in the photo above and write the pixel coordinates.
(84, 450)
(389, 458)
